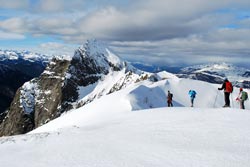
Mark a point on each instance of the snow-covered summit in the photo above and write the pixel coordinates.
(99, 53)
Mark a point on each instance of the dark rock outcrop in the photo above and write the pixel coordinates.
(37, 101)
(15, 72)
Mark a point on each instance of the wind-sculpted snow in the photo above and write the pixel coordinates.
(144, 97)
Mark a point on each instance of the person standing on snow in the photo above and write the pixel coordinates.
(192, 95)
(243, 96)
(228, 88)
(170, 99)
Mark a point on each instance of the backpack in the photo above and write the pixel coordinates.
(244, 95)
(229, 87)
(170, 96)
(192, 93)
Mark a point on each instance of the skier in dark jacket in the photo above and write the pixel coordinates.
(228, 88)
(170, 99)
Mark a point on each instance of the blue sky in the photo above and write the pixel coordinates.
(163, 32)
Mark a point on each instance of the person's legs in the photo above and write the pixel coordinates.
(169, 103)
(192, 102)
(242, 106)
(227, 101)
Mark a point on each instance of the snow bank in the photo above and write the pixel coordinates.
(157, 137)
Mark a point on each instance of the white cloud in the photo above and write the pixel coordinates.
(55, 48)
(10, 36)
(15, 24)
(14, 4)
(227, 45)
(59, 5)
(154, 30)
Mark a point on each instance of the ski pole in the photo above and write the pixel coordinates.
(215, 99)
(232, 100)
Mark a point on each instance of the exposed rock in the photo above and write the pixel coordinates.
(36, 102)
(16, 68)
(49, 97)
(16, 121)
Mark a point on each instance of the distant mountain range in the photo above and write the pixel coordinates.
(216, 73)
(16, 68)
(212, 73)
(155, 68)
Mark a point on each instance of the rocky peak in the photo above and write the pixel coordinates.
(60, 87)
(99, 55)
(89, 64)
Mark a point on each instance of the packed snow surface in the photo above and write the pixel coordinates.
(133, 127)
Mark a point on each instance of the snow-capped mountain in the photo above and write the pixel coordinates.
(67, 84)
(16, 68)
(216, 73)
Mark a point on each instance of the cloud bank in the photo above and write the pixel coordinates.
(159, 31)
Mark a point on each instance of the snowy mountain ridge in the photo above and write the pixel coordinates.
(99, 52)
(217, 72)
(223, 69)
(25, 55)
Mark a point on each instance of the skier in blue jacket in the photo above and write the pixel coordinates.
(192, 94)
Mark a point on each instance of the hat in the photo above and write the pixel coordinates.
(225, 79)
(241, 89)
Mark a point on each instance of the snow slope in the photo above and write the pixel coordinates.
(121, 129)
